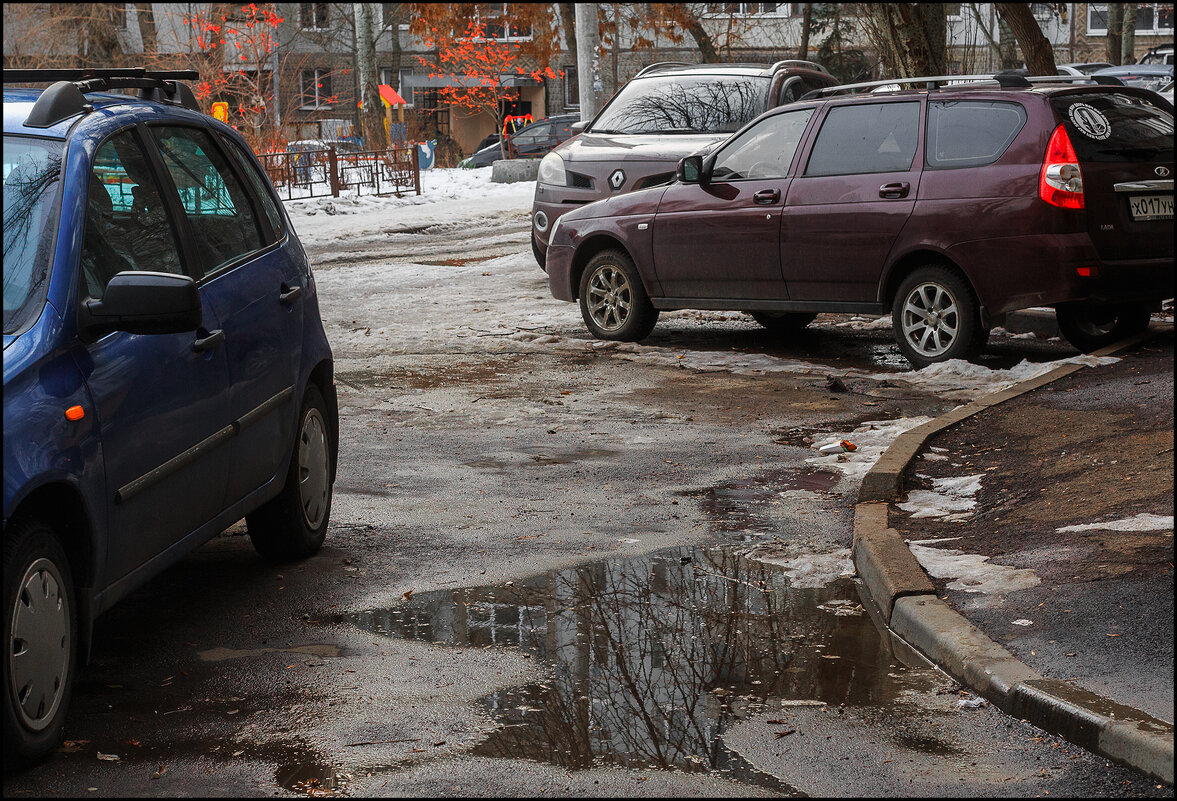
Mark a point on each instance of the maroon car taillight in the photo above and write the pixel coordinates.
(1061, 181)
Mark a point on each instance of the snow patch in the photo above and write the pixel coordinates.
(973, 572)
(873, 437)
(1142, 522)
(950, 498)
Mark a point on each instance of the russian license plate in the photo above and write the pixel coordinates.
(1151, 207)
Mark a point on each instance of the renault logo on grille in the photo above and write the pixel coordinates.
(617, 179)
(1162, 171)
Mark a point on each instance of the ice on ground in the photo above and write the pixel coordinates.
(950, 498)
(1142, 522)
(973, 572)
(872, 437)
(810, 571)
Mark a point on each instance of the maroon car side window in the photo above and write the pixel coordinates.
(866, 138)
(765, 150)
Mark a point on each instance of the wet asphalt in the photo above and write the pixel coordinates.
(537, 581)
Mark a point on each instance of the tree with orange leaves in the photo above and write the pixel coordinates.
(237, 46)
(481, 70)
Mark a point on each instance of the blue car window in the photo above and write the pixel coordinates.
(223, 222)
(261, 188)
(127, 225)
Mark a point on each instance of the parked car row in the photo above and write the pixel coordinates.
(532, 141)
(166, 372)
(948, 206)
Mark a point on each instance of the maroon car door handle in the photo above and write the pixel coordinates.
(766, 197)
(895, 190)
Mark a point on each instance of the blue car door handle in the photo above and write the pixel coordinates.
(288, 296)
(209, 342)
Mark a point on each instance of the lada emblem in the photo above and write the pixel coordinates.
(617, 179)
(1161, 171)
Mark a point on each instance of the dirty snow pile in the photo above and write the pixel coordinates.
(957, 379)
(447, 195)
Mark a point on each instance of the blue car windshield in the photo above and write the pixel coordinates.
(32, 169)
(684, 105)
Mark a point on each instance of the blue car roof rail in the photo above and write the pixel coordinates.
(66, 96)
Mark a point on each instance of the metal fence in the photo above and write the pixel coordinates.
(322, 173)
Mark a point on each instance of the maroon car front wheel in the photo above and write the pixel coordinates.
(613, 302)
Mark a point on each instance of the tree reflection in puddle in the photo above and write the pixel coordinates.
(655, 656)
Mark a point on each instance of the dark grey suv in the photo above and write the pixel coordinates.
(667, 111)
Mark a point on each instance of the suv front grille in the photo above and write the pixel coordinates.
(579, 181)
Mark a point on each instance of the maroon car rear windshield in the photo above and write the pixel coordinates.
(1116, 127)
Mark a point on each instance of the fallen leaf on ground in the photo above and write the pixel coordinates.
(778, 735)
(73, 746)
(162, 770)
(407, 595)
(134, 743)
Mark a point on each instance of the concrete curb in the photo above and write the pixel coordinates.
(906, 599)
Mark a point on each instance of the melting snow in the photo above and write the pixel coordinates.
(812, 570)
(872, 438)
(1142, 522)
(950, 498)
(973, 572)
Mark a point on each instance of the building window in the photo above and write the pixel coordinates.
(404, 79)
(952, 10)
(431, 106)
(316, 88)
(749, 9)
(496, 17)
(119, 13)
(571, 87)
(312, 16)
(1151, 18)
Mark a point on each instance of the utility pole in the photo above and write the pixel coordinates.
(588, 59)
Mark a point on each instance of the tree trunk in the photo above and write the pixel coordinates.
(806, 27)
(1115, 15)
(910, 37)
(371, 114)
(1008, 45)
(147, 29)
(1128, 35)
(1035, 46)
(568, 22)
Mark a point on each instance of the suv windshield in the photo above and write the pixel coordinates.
(708, 104)
(32, 168)
(1116, 127)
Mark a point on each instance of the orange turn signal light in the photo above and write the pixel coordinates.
(75, 413)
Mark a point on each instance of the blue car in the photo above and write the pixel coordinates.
(166, 372)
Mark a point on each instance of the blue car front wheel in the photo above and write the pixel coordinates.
(293, 525)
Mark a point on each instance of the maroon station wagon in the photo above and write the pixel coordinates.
(948, 206)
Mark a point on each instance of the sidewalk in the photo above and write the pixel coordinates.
(1044, 517)
(1067, 558)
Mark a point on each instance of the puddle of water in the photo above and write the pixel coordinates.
(220, 654)
(654, 657)
(743, 505)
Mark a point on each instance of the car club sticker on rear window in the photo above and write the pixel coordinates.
(1090, 121)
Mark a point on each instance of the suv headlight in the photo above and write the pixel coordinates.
(551, 171)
